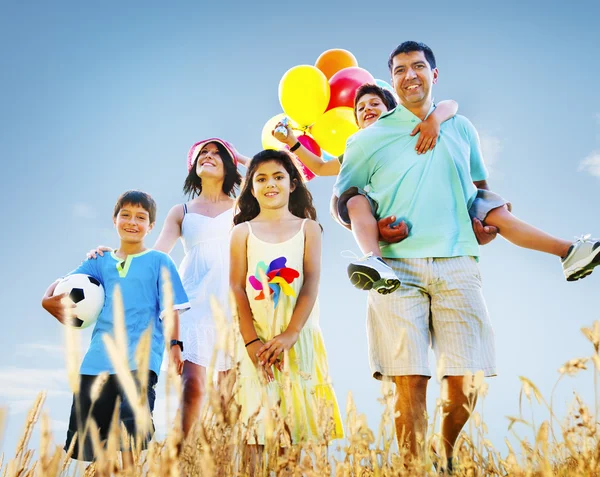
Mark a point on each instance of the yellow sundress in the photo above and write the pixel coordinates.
(306, 399)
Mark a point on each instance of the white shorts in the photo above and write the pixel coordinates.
(440, 303)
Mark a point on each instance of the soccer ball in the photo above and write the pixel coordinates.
(88, 296)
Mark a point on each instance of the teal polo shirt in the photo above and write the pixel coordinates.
(431, 192)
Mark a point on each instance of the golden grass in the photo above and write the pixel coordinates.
(216, 446)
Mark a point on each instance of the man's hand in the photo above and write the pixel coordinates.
(485, 234)
(176, 359)
(392, 233)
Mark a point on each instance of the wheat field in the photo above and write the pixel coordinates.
(564, 445)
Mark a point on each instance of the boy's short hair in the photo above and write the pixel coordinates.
(369, 88)
(136, 197)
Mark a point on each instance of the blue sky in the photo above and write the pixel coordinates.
(100, 98)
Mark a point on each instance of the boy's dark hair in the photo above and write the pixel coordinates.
(136, 197)
(301, 201)
(410, 46)
(193, 184)
(369, 88)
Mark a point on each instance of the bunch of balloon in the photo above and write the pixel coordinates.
(319, 102)
(338, 123)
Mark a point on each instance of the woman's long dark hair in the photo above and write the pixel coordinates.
(232, 180)
(301, 201)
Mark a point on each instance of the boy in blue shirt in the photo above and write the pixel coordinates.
(136, 270)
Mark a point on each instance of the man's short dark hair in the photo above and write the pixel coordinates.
(136, 197)
(410, 46)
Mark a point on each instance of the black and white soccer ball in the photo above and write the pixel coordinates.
(87, 294)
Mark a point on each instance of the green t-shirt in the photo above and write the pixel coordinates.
(431, 192)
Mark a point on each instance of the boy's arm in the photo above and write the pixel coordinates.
(180, 304)
(175, 351)
(429, 129)
(171, 230)
(54, 304)
(316, 164)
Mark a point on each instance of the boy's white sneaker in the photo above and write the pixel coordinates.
(372, 272)
(583, 256)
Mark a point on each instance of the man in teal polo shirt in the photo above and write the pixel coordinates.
(440, 300)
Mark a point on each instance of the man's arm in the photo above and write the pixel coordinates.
(484, 233)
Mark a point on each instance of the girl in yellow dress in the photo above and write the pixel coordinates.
(274, 275)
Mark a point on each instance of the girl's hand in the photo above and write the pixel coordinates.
(290, 139)
(56, 307)
(92, 254)
(176, 359)
(428, 131)
(270, 351)
(266, 371)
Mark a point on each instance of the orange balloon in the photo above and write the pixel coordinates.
(332, 61)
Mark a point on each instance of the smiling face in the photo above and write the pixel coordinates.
(368, 109)
(132, 223)
(210, 162)
(271, 185)
(413, 78)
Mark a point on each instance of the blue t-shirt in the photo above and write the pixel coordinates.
(139, 278)
(432, 192)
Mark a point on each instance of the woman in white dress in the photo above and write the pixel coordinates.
(203, 224)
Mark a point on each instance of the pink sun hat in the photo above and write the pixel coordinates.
(196, 148)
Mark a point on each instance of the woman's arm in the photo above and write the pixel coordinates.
(243, 160)
(269, 353)
(171, 230)
(430, 128)
(316, 164)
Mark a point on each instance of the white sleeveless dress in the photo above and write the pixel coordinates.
(204, 273)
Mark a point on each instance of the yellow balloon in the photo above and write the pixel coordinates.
(267, 139)
(304, 94)
(332, 129)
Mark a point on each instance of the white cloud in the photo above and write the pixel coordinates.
(20, 386)
(491, 147)
(83, 211)
(591, 164)
(39, 349)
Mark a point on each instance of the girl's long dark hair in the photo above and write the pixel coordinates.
(232, 180)
(301, 201)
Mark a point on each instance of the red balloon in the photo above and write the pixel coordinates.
(310, 144)
(344, 85)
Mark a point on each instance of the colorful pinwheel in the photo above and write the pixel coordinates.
(278, 277)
